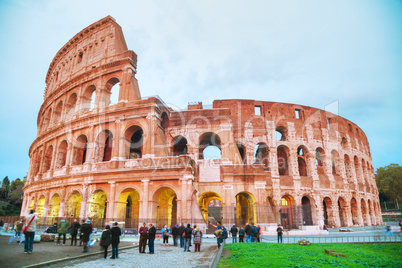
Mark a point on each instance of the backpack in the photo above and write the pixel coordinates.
(218, 233)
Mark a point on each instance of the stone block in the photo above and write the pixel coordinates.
(47, 237)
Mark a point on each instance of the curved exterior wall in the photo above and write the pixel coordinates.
(138, 160)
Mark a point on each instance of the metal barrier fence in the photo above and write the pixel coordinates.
(395, 238)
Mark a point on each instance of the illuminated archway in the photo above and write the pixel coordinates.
(245, 209)
(74, 205)
(31, 204)
(287, 212)
(211, 208)
(40, 206)
(54, 206)
(165, 207)
(128, 207)
(97, 205)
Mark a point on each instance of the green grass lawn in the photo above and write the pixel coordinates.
(294, 255)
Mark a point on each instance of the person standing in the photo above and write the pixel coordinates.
(86, 230)
(75, 226)
(63, 225)
(181, 230)
(175, 234)
(17, 228)
(218, 233)
(197, 239)
(259, 233)
(279, 230)
(106, 239)
(165, 235)
(30, 223)
(249, 232)
(241, 235)
(187, 232)
(151, 238)
(234, 231)
(143, 237)
(116, 233)
(224, 235)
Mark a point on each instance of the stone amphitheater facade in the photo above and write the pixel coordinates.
(136, 159)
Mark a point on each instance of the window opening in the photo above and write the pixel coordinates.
(257, 110)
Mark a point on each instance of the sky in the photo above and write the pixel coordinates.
(311, 53)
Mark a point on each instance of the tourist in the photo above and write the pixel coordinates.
(63, 226)
(223, 236)
(116, 233)
(86, 230)
(165, 235)
(187, 233)
(30, 223)
(105, 240)
(17, 228)
(197, 239)
(259, 233)
(143, 237)
(234, 231)
(279, 230)
(249, 232)
(151, 237)
(175, 234)
(241, 235)
(255, 232)
(54, 228)
(75, 226)
(218, 232)
(80, 233)
(181, 230)
(389, 230)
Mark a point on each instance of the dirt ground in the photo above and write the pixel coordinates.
(12, 255)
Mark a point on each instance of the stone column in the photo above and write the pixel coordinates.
(360, 221)
(84, 199)
(111, 201)
(144, 207)
(184, 206)
(319, 217)
(62, 202)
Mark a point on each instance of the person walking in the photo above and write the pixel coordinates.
(151, 238)
(75, 226)
(234, 231)
(241, 235)
(86, 230)
(197, 239)
(181, 230)
(63, 226)
(279, 230)
(175, 234)
(165, 235)
(30, 224)
(248, 232)
(105, 240)
(18, 229)
(143, 237)
(115, 241)
(187, 232)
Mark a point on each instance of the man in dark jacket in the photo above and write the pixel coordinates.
(223, 237)
(234, 231)
(74, 231)
(116, 233)
(143, 237)
(181, 230)
(249, 232)
(188, 232)
(175, 233)
(255, 232)
(151, 237)
(241, 235)
(86, 230)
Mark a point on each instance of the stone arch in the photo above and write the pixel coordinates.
(88, 99)
(302, 160)
(104, 146)
(134, 139)
(128, 207)
(287, 212)
(306, 210)
(349, 169)
(342, 208)
(57, 112)
(164, 207)
(74, 204)
(354, 210)
(242, 151)
(37, 162)
(46, 119)
(80, 150)
(210, 204)
(48, 159)
(97, 207)
(112, 91)
(365, 213)
(54, 207)
(61, 155)
(246, 211)
(328, 212)
(344, 143)
(281, 133)
(261, 154)
(180, 146)
(364, 171)
(165, 121)
(320, 160)
(40, 206)
(70, 105)
(210, 142)
(283, 154)
(335, 162)
(31, 204)
(357, 169)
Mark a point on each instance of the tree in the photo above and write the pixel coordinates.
(389, 182)
(4, 188)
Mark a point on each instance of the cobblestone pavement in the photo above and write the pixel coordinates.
(165, 256)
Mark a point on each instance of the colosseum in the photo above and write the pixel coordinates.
(104, 152)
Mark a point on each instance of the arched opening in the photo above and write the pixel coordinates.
(48, 159)
(80, 150)
(342, 212)
(88, 99)
(301, 160)
(344, 143)
(335, 162)
(348, 168)
(357, 169)
(61, 155)
(165, 208)
(245, 209)
(364, 170)
(128, 208)
(282, 154)
(164, 121)
(210, 146)
(31, 204)
(281, 133)
(354, 209)
(134, 136)
(40, 207)
(104, 147)
(46, 119)
(287, 212)
(242, 152)
(37, 162)
(70, 105)
(210, 204)
(57, 112)
(320, 160)
(74, 205)
(111, 96)
(364, 212)
(328, 216)
(97, 208)
(54, 208)
(306, 208)
(261, 155)
(179, 146)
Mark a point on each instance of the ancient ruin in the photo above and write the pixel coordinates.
(104, 152)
